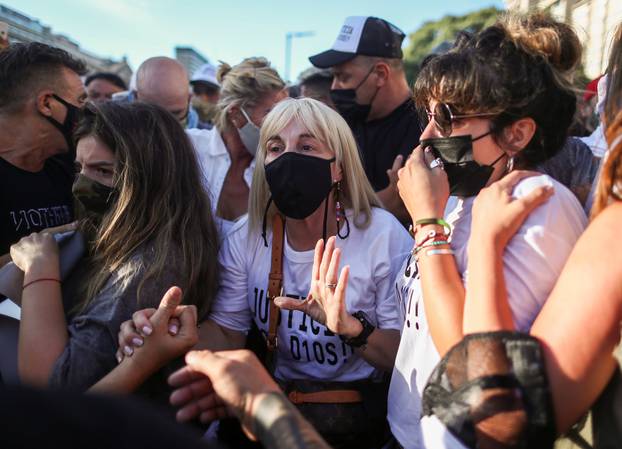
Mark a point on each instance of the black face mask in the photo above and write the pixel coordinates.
(66, 128)
(95, 198)
(345, 102)
(299, 183)
(466, 176)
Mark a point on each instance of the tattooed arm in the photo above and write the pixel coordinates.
(217, 385)
(278, 424)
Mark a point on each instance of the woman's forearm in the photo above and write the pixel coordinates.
(381, 348)
(486, 307)
(579, 325)
(123, 379)
(443, 294)
(215, 337)
(43, 328)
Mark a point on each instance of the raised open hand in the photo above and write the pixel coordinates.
(326, 301)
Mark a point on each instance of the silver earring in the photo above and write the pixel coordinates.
(509, 166)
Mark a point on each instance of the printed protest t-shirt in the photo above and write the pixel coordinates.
(307, 349)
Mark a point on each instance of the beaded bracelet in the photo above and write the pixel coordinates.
(431, 235)
(434, 243)
(440, 252)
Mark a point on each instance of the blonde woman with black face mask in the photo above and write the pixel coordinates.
(317, 245)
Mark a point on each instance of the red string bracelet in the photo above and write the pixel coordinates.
(40, 280)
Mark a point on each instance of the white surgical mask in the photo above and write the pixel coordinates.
(249, 134)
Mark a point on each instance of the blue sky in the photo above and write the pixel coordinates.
(227, 30)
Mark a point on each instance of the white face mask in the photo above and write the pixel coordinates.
(249, 134)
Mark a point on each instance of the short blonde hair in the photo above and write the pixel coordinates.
(330, 128)
(244, 84)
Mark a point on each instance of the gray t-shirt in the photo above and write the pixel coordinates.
(575, 166)
(90, 351)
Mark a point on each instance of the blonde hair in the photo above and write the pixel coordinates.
(328, 127)
(244, 85)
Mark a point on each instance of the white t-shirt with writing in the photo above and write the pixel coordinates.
(307, 349)
(533, 260)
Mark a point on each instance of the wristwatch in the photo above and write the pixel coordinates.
(360, 339)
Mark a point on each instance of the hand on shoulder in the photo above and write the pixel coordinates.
(498, 214)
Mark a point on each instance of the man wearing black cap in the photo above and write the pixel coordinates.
(371, 92)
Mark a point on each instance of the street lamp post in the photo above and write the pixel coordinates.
(289, 36)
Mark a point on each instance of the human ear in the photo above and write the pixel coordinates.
(518, 135)
(236, 117)
(336, 171)
(43, 103)
(382, 71)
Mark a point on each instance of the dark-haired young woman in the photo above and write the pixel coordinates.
(147, 227)
(496, 102)
(568, 360)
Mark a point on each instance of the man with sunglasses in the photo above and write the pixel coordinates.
(371, 92)
(41, 96)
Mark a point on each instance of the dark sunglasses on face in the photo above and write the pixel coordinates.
(443, 118)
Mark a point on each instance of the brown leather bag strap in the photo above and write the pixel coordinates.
(275, 279)
(326, 397)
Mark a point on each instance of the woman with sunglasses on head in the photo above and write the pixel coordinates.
(496, 102)
(146, 227)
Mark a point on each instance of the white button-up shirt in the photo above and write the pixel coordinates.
(214, 161)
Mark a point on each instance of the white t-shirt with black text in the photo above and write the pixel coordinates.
(307, 349)
(533, 261)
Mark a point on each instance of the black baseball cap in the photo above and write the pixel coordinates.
(362, 35)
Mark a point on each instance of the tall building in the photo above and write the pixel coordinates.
(593, 20)
(26, 29)
(190, 59)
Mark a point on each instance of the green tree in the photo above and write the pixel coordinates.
(431, 34)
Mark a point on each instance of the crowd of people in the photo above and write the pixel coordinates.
(351, 262)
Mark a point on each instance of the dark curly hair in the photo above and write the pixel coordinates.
(27, 67)
(519, 67)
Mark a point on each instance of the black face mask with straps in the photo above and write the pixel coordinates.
(465, 175)
(68, 126)
(345, 102)
(298, 185)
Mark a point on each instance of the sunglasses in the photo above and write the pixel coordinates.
(443, 118)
